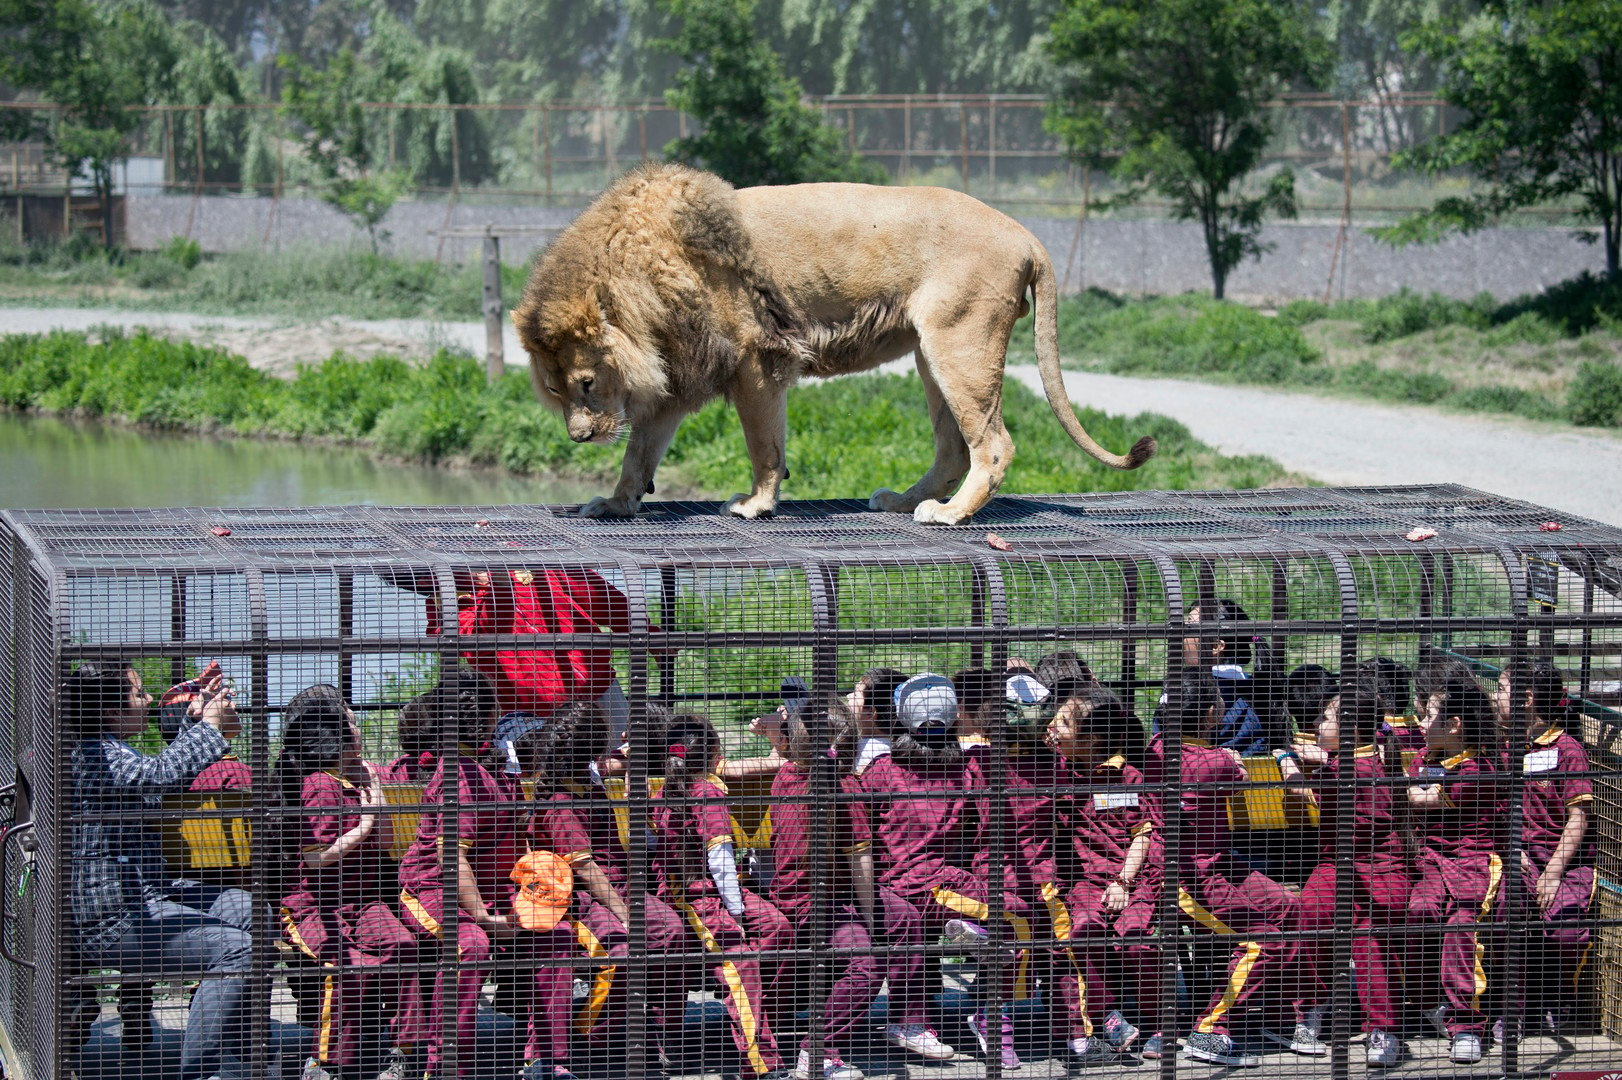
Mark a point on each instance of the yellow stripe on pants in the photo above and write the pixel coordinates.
(734, 981)
(586, 1019)
(979, 912)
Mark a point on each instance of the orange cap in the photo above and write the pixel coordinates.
(545, 887)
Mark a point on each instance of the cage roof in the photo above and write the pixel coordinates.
(1270, 522)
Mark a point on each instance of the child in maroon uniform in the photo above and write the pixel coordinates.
(416, 735)
(1557, 857)
(1216, 891)
(576, 820)
(698, 875)
(1456, 804)
(928, 842)
(863, 913)
(1111, 863)
(1380, 879)
(487, 840)
(336, 908)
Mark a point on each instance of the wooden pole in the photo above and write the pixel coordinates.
(991, 145)
(546, 148)
(456, 188)
(495, 364)
(906, 136)
(963, 142)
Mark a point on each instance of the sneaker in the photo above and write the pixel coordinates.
(1153, 1047)
(1383, 1051)
(919, 1039)
(1554, 1020)
(1119, 1032)
(1438, 1019)
(315, 1070)
(977, 1024)
(964, 932)
(1498, 1031)
(1087, 1052)
(399, 1065)
(1305, 1039)
(783, 1073)
(1466, 1048)
(832, 1068)
(1217, 1048)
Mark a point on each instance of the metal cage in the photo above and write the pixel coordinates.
(694, 612)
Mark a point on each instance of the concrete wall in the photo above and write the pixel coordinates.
(1120, 256)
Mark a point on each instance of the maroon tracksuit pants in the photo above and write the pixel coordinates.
(546, 989)
(1232, 900)
(739, 976)
(1552, 970)
(1454, 892)
(958, 894)
(600, 934)
(356, 942)
(899, 927)
(1379, 899)
(1110, 945)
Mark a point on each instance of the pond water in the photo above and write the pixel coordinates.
(49, 463)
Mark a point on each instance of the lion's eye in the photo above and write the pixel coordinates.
(550, 389)
(585, 384)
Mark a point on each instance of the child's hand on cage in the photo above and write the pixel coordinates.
(219, 707)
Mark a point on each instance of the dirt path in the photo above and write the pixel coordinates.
(1333, 440)
(1352, 443)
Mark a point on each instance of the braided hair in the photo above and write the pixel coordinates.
(572, 739)
(691, 747)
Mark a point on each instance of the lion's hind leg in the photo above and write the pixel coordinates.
(967, 363)
(951, 455)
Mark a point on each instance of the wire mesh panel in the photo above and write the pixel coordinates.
(1310, 780)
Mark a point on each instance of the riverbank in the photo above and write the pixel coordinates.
(846, 436)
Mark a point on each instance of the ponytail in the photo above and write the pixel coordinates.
(691, 745)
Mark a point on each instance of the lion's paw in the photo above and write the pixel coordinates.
(891, 502)
(935, 512)
(608, 508)
(749, 507)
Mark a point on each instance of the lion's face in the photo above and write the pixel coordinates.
(581, 379)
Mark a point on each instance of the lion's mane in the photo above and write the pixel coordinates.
(663, 257)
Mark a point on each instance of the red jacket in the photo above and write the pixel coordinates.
(548, 601)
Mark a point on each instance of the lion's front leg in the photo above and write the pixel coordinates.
(762, 405)
(646, 448)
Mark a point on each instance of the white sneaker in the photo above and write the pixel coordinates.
(1383, 1051)
(1306, 1038)
(832, 1069)
(919, 1039)
(964, 932)
(1466, 1048)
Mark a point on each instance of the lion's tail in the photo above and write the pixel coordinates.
(1046, 292)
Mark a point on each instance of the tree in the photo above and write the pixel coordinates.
(1542, 86)
(756, 128)
(1372, 62)
(1168, 95)
(99, 64)
(337, 138)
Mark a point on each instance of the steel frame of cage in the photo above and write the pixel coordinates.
(1170, 545)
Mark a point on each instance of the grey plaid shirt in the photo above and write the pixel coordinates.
(117, 862)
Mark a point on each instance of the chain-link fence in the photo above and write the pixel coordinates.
(563, 153)
(1199, 779)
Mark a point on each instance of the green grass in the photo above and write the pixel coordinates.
(313, 282)
(847, 436)
(1555, 356)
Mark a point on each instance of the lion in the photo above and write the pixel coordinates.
(673, 287)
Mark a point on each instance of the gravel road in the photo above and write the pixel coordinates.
(1330, 439)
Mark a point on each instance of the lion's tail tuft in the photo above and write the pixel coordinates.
(1046, 291)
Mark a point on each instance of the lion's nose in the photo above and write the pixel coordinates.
(580, 436)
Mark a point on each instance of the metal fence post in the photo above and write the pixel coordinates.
(494, 363)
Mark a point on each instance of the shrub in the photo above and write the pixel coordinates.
(1407, 312)
(184, 252)
(1506, 399)
(1594, 397)
(1422, 387)
(1575, 306)
(1527, 328)
(1302, 312)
